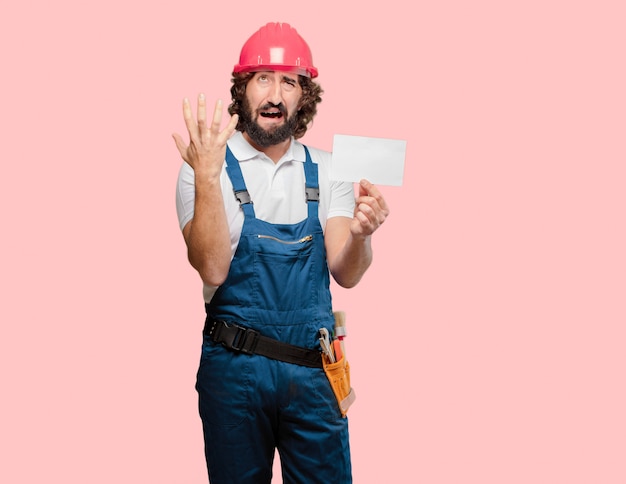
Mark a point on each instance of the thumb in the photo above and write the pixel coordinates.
(180, 144)
(364, 187)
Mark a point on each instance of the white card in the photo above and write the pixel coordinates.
(379, 160)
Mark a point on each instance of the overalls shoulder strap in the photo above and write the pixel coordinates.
(312, 185)
(243, 197)
(239, 185)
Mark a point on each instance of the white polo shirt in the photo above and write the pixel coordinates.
(276, 189)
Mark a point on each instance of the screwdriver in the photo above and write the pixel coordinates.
(340, 332)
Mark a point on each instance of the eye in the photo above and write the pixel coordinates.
(290, 84)
(262, 78)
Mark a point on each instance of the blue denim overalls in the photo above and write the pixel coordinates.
(278, 285)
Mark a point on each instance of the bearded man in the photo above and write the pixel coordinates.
(266, 227)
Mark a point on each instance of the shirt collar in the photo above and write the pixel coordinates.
(243, 151)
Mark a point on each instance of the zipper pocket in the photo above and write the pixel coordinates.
(308, 238)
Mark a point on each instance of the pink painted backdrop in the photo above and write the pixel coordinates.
(487, 340)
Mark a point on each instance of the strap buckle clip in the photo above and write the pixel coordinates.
(239, 339)
(242, 196)
(312, 194)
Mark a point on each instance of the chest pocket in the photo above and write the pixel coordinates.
(283, 272)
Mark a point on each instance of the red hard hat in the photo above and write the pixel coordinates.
(276, 46)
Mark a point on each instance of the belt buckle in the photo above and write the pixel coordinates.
(245, 340)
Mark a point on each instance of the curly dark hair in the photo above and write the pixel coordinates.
(311, 96)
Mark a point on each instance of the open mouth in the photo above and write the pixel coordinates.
(271, 112)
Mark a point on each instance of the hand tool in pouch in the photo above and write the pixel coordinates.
(340, 329)
(326, 346)
(337, 368)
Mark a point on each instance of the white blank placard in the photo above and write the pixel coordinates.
(379, 160)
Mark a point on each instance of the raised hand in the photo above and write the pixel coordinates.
(207, 144)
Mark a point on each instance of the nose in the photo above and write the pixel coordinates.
(275, 95)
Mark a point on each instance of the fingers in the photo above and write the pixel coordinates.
(205, 142)
(217, 117)
(192, 128)
(371, 207)
(231, 126)
(201, 112)
(201, 127)
(369, 213)
(217, 122)
(367, 189)
(373, 191)
(197, 131)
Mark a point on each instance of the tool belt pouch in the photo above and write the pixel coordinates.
(338, 374)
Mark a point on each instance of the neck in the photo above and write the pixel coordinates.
(273, 152)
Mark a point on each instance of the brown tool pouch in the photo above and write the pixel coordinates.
(338, 374)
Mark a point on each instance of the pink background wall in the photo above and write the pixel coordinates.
(487, 340)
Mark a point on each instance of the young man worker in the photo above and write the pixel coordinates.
(264, 226)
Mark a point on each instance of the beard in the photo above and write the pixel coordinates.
(261, 136)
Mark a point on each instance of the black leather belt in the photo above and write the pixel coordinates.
(248, 341)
